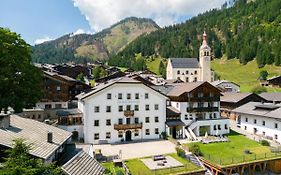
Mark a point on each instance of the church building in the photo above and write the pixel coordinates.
(192, 69)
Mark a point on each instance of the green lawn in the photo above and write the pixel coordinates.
(244, 75)
(226, 153)
(113, 169)
(137, 167)
(154, 65)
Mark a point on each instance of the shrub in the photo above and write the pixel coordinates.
(180, 152)
(164, 135)
(246, 151)
(258, 89)
(195, 149)
(265, 143)
(119, 172)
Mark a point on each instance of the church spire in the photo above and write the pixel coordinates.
(204, 42)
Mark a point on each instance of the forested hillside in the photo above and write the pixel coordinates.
(87, 47)
(247, 30)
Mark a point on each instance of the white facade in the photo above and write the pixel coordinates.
(104, 117)
(190, 72)
(52, 105)
(227, 86)
(254, 125)
(216, 125)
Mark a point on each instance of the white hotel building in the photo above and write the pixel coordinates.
(261, 119)
(123, 109)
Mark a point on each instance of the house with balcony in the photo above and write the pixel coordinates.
(123, 109)
(260, 119)
(195, 110)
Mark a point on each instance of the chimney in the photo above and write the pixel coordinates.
(4, 120)
(50, 137)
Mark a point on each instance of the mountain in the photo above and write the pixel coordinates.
(248, 30)
(88, 47)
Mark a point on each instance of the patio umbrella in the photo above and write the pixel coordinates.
(206, 134)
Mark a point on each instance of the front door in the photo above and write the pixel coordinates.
(174, 132)
(128, 136)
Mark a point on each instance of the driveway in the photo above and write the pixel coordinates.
(137, 150)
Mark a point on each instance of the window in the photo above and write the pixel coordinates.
(210, 116)
(225, 126)
(108, 108)
(245, 127)
(276, 137)
(97, 109)
(263, 123)
(219, 127)
(137, 96)
(186, 72)
(146, 95)
(215, 127)
(128, 96)
(58, 88)
(136, 120)
(246, 119)
(263, 133)
(146, 119)
(109, 96)
(195, 72)
(108, 122)
(186, 116)
(96, 123)
(187, 79)
(136, 133)
(120, 121)
(107, 135)
(156, 131)
(120, 134)
(136, 107)
(39, 116)
(97, 136)
(156, 119)
(178, 72)
(119, 96)
(147, 107)
(120, 108)
(147, 132)
(195, 79)
(255, 121)
(156, 107)
(276, 125)
(200, 104)
(128, 107)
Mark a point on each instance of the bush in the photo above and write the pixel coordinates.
(180, 152)
(119, 172)
(195, 149)
(265, 143)
(164, 135)
(246, 151)
(258, 89)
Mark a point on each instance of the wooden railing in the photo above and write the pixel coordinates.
(203, 109)
(127, 126)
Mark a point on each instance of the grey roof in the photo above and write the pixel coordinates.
(234, 97)
(172, 111)
(35, 133)
(218, 82)
(184, 62)
(260, 109)
(67, 112)
(271, 96)
(111, 82)
(172, 123)
(83, 164)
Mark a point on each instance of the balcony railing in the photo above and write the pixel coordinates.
(127, 126)
(203, 109)
(129, 113)
(204, 99)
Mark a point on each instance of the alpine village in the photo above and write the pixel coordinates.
(197, 97)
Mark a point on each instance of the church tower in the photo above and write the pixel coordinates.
(205, 60)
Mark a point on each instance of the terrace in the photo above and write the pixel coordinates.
(238, 150)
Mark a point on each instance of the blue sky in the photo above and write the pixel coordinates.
(35, 19)
(42, 20)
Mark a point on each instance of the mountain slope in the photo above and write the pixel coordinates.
(87, 47)
(248, 30)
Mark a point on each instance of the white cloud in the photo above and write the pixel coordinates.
(103, 13)
(42, 40)
(79, 31)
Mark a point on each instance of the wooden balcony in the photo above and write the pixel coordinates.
(203, 109)
(127, 126)
(129, 113)
(204, 99)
